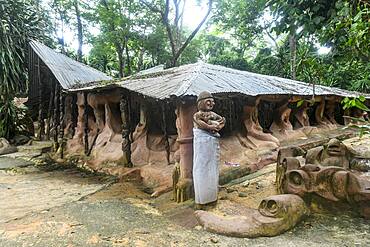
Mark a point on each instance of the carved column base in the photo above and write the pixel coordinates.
(183, 189)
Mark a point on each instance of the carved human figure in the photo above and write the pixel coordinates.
(302, 116)
(330, 107)
(320, 117)
(281, 124)
(254, 130)
(207, 124)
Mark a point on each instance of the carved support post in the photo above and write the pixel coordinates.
(346, 116)
(62, 123)
(74, 114)
(321, 120)
(126, 129)
(302, 117)
(41, 129)
(330, 107)
(184, 124)
(143, 111)
(164, 129)
(56, 115)
(253, 128)
(281, 122)
(50, 111)
(86, 126)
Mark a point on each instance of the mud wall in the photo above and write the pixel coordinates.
(255, 128)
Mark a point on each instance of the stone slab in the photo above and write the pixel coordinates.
(9, 163)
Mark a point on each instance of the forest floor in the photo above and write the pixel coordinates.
(49, 205)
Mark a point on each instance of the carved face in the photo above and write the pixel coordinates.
(206, 104)
(282, 206)
(336, 148)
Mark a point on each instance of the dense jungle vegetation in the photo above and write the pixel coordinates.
(121, 37)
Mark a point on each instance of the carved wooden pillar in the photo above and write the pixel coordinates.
(302, 118)
(330, 107)
(62, 124)
(86, 126)
(41, 129)
(74, 114)
(55, 116)
(50, 110)
(165, 133)
(320, 118)
(184, 123)
(126, 129)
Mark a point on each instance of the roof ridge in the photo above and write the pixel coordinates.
(59, 53)
(194, 74)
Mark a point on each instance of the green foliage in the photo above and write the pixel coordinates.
(359, 103)
(355, 102)
(20, 20)
(240, 19)
(8, 118)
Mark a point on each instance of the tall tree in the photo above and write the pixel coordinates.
(174, 27)
(118, 19)
(79, 30)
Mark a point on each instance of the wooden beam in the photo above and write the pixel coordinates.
(50, 110)
(40, 115)
(126, 128)
(86, 126)
(165, 133)
(55, 116)
(62, 123)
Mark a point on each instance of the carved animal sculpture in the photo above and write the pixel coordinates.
(275, 215)
(332, 183)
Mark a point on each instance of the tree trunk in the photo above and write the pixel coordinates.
(128, 59)
(293, 54)
(173, 30)
(79, 31)
(121, 62)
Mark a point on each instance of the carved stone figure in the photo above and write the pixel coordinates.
(281, 123)
(302, 116)
(334, 153)
(281, 126)
(330, 107)
(255, 134)
(206, 150)
(331, 183)
(275, 215)
(320, 117)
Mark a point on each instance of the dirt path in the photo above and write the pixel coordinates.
(32, 189)
(122, 215)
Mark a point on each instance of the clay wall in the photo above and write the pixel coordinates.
(255, 128)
